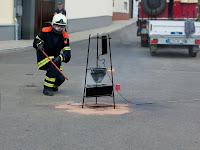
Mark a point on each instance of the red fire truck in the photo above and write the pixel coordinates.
(169, 22)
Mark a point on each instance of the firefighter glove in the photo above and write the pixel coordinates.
(57, 59)
(40, 47)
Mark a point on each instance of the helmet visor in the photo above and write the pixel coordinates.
(59, 28)
(60, 22)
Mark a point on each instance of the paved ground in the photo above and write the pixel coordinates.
(165, 89)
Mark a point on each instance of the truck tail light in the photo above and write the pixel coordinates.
(144, 25)
(154, 41)
(197, 42)
(144, 39)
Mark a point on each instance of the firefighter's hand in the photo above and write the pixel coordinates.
(40, 47)
(56, 59)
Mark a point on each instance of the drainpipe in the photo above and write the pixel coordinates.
(16, 22)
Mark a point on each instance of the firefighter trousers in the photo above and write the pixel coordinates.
(53, 77)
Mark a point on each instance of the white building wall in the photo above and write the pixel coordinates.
(7, 12)
(88, 14)
(7, 26)
(88, 8)
(119, 6)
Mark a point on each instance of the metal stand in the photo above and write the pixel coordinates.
(98, 90)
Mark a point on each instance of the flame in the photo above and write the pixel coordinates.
(109, 69)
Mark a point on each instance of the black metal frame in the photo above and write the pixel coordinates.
(86, 70)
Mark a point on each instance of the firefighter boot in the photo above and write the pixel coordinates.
(48, 91)
(55, 88)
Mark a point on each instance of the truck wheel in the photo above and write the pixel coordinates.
(191, 52)
(153, 49)
(144, 41)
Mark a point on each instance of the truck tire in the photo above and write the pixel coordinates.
(144, 40)
(153, 11)
(153, 49)
(191, 52)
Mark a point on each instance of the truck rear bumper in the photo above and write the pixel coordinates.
(174, 41)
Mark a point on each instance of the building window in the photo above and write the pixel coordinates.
(125, 7)
(113, 3)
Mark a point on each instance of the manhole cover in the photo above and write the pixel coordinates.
(96, 106)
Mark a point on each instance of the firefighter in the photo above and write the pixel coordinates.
(52, 40)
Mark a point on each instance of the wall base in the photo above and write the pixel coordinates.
(7, 32)
(76, 25)
(120, 16)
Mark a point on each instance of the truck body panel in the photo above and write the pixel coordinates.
(170, 28)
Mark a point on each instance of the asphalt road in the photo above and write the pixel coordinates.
(164, 89)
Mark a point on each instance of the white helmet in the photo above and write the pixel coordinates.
(59, 19)
(59, 23)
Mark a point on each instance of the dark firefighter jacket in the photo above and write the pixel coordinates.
(53, 44)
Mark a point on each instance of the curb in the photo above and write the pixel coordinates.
(103, 33)
(115, 30)
(71, 41)
(14, 49)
